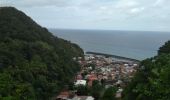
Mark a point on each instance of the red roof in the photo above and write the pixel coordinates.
(92, 77)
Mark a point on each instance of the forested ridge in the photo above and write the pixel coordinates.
(34, 65)
(152, 81)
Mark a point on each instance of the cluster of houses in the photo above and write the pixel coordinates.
(108, 71)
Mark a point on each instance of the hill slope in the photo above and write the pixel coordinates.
(152, 82)
(34, 64)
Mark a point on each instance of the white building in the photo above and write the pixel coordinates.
(80, 82)
(108, 60)
(83, 98)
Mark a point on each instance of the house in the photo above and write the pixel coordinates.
(79, 77)
(109, 60)
(91, 78)
(83, 98)
(119, 93)
(80, 82)
(64, 95)
(79, 58)
(87, 58)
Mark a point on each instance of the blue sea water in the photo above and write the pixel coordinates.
(133, 44)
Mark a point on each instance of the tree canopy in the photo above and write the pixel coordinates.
(34, 64)
(152, 82)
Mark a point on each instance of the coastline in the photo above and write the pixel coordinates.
(114, 56)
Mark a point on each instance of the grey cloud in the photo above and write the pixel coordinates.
(35, 3)
(100, 13)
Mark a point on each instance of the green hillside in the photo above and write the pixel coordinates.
(152, 82)
(34, 65)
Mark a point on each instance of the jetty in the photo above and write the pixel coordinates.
(113, 56)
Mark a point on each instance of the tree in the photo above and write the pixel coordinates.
(96, 89)
(109, 94)
(152, 81)
(82, 90)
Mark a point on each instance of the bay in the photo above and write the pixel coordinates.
(132, 44)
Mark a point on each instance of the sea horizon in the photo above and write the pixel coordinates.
(132, 44)
(108, 30)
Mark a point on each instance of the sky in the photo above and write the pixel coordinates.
(144, 15)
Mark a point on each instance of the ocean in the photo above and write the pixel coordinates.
(132, 44)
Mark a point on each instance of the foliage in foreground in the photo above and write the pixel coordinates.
(152, 82)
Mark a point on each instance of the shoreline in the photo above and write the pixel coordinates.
(114, 56)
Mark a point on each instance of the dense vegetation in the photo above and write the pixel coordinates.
(34, 65)
(152, 82)
(109, 94)
(96, 90)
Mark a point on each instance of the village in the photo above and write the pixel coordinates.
(108, 71)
